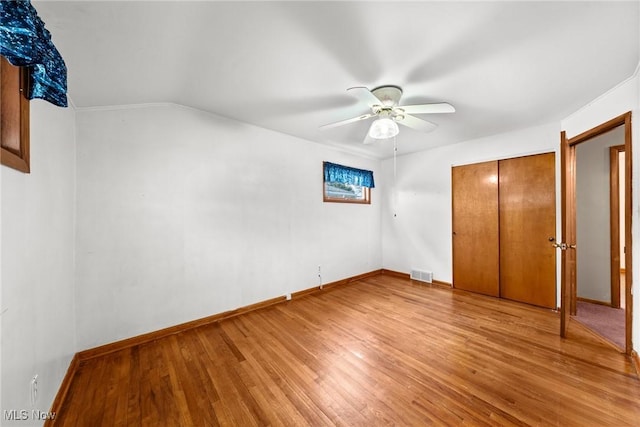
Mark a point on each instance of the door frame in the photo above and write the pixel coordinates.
(614, 220)
(568, 194)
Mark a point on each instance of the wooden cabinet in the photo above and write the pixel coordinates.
(504, 227)
(14, 117)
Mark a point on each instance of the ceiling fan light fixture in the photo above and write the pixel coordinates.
(383, 128)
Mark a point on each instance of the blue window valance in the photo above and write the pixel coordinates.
(346, 175)
(25, 42)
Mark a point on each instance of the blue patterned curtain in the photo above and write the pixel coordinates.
(26, 43)
(347, 175)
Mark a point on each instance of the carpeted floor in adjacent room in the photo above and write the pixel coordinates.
(606, 321)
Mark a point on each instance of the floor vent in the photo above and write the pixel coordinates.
(423, 276)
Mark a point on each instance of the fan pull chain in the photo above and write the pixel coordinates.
(395, 151)
(395, 170)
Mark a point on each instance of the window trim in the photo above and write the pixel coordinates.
(16, 159)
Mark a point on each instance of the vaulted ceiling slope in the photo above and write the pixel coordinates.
(286, 66)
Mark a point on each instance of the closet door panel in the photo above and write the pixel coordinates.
(475, 228)
(527, 223)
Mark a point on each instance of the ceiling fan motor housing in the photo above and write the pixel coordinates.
(389, 95)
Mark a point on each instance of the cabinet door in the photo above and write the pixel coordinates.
(527, 223)
(475, 228)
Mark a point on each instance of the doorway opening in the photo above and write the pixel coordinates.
(596, 227)
(598, 236)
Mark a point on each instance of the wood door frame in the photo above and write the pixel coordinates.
(614, 220)
(568, 178)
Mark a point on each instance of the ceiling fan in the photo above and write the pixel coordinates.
(383, 102)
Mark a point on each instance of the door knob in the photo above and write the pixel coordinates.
(563, 246)
(551, 239)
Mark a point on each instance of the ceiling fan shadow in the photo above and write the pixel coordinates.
(348, 39)
(302, 105)
(473, 43)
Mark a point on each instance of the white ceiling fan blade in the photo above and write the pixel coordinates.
(364, 95)
(441, 107)
(417, 124)
(347, 121)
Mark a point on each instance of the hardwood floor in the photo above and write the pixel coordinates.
(380, 351)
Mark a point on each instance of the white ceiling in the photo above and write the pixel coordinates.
(286, 65)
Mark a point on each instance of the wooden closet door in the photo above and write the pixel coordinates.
(527, 223)
(475, 228)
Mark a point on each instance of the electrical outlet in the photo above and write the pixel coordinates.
(34, 389)
(319, 270)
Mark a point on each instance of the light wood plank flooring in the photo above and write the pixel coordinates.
(381, 351)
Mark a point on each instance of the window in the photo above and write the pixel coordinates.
(344, 184)
(348, 193)
(14, 118)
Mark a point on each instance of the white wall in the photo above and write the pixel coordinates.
(1, 300)
(183, 214)
(624, 97)
(38, 326)
(593, 216)
(416, 214)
